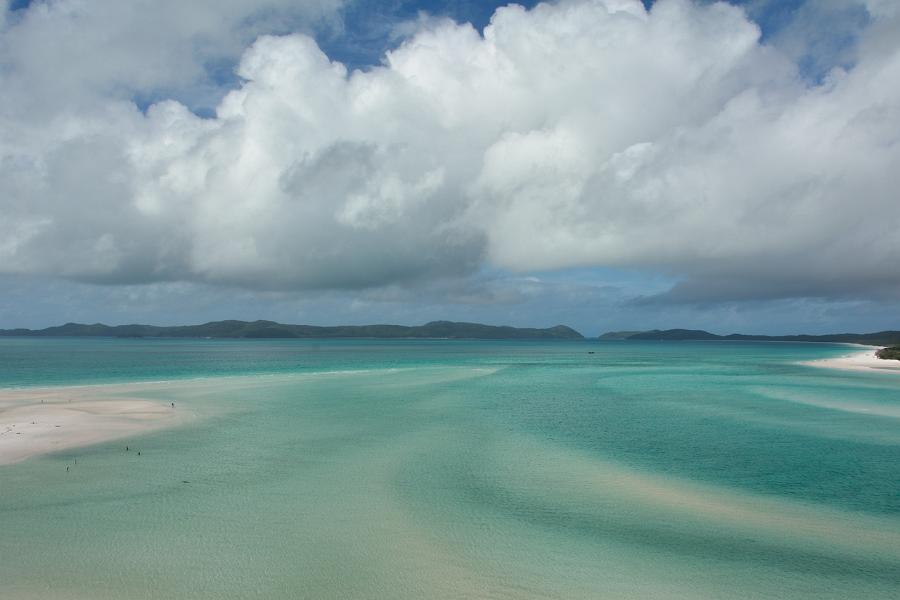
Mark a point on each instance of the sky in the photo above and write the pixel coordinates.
(605, 164)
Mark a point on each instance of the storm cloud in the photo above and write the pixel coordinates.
(581, 133)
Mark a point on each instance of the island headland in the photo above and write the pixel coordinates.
(880, 338)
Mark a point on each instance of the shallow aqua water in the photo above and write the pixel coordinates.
(455, 469)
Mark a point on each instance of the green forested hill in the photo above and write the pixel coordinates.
(271, 329)
(880, 338)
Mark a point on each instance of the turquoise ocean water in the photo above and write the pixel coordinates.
(455, 469)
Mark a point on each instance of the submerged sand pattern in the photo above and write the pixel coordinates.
(517, 479)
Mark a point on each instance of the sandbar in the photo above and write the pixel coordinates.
(40, 421)
(859, 361)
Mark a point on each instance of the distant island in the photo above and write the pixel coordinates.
(881, 338)
(432, 330)
(271, 329)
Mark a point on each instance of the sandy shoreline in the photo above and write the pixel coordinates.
(39, 421)
(858, 361)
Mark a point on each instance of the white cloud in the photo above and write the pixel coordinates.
(882, 8)
(73, 52)
(582, 133)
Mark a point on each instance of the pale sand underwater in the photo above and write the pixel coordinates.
(517, 472)
(38, 421)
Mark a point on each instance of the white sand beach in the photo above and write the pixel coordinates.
(38, 421)
(858, 361)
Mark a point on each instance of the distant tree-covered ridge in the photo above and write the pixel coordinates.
(618, 335)
(271, 329)
(881, 338)
(892, 353)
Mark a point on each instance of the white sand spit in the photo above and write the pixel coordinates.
(34, 422)
(858, 361)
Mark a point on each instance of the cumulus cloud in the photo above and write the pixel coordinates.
(578, 133)
(73, 53)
